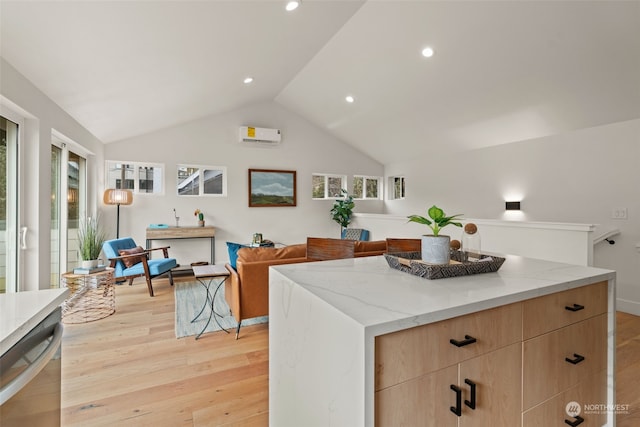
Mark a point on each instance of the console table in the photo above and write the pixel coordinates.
(171, 233)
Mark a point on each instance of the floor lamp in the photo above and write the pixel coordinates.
(115, 196)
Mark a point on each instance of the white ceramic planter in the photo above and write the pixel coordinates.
(90, 263)
(435, 249)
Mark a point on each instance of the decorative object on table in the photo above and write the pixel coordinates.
(198, 214)
(89, 270)
(175, 215)
(91, 236)
(257, 239)
(411, 262)
(117, 196)
(342, 210)
(435, 247)
(272, 188)
(139, 260)
(470, 244)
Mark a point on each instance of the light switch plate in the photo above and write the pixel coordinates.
(619, 213)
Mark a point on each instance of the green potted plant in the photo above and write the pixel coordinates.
(435, 247)
(91, 236)
(342, 210)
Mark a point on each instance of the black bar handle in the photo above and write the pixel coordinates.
(579, 420)
(468, 339)
(471, 404)
(458, 408)
(575, 307)
(575, 361)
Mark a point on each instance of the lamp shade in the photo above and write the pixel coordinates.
(116, 196)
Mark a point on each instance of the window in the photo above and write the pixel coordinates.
(366, 187)
(202, 180)
(142, 178)
(327, 186)
(396, 187)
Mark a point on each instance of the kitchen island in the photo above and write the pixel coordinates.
(356, 343)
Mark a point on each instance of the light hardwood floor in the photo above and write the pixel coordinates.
(130, 370)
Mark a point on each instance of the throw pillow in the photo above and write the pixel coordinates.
(128, 262)
(233, 252)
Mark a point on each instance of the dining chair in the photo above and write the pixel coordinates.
(403, 245)
(321, 249)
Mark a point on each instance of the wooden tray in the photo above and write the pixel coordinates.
(411, 262)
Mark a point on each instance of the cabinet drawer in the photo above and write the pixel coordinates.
(589, 394)
(546, 371)
(414, 352)
(550, 312)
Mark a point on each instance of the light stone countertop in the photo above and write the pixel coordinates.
(382, 299)
(22, 311)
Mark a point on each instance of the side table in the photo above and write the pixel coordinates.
(92, 296)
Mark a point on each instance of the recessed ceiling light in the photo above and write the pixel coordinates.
(350, 99)
(248, 80)
(427, 52)
(292, 5)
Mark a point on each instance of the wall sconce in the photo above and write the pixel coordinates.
(512, 206)
(117, 197)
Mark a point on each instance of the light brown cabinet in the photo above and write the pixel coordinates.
(522, 363)
(460, 372)
(565, 357)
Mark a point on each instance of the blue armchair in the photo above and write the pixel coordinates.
(130, 261)
(354, 234)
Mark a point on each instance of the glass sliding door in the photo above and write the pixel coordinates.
(8, 205)
(56, 166)
(76, 196)
(68, 205)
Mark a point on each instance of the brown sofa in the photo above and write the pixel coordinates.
(247, 288)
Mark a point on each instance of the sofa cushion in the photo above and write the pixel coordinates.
(233, 252)
(265, 254)
(372, 246)
(128, 262)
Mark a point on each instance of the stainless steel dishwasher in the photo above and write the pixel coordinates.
(30, 374)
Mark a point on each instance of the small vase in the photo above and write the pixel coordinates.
(201, 223)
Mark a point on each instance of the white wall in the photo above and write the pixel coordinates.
(578, 177)
(213, 141)
(41, 116)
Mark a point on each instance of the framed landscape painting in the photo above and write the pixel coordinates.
(271, 188)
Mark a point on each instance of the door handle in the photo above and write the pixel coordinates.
(471, 403)
(579, 420)
(23, 238)
(575, 307)
(578, 359)
(458, 408)
(468, 339)
(13, 387)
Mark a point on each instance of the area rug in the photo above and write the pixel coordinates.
(190, 296)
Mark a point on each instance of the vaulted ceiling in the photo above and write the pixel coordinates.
(503, 71)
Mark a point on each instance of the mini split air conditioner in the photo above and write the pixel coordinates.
(263, 135)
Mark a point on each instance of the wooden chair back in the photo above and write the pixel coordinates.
(403, 245)
(321, 249)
